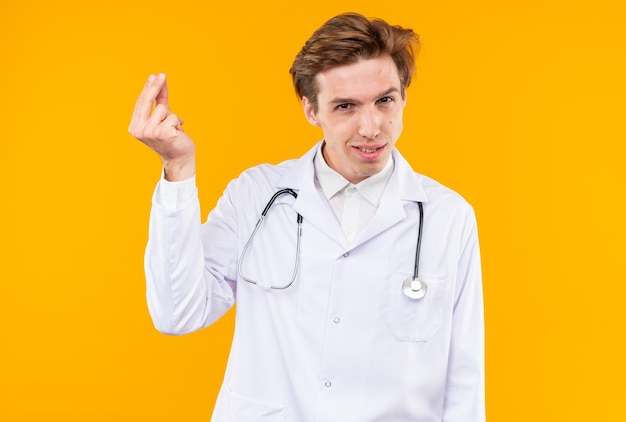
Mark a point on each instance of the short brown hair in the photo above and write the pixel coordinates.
(347, 38)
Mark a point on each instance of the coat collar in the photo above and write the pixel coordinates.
(409, 184)
(404, 185)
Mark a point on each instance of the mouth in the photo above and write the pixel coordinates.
(370, 153)
(369, 150)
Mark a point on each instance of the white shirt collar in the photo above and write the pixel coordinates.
(332, 182)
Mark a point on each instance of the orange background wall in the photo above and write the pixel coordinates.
(517, 105)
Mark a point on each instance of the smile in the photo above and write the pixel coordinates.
(368, 150)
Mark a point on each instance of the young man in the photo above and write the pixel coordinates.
(332, 323)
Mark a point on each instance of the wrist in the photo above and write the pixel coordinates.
(177, 170)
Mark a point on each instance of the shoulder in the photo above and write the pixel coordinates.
(287, 174)
(255, 185)
(263, 174)
(438, 192)
(448, 206)
(416, 186)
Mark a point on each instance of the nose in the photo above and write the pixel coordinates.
(369, 123)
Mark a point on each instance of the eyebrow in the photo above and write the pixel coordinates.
(342, 100)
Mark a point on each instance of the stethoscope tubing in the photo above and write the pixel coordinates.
(296, 267)
(414, 288)
(419, 241)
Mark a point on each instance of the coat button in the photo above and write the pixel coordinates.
(347, 254)
(328, 384)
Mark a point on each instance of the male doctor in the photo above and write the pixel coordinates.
(331, 321)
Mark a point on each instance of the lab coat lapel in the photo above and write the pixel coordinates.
(310, 203)
(390, 211)
(404, 185)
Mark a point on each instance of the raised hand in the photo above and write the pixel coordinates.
(154, 124)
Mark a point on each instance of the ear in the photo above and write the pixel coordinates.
(309, 112)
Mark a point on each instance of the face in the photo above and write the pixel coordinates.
(360, 110)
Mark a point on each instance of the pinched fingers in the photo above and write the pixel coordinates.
(159, 126)
(162, 95)
(154, 92)
(154, 124)
(151, 90)
(162, 128)
(147, 131)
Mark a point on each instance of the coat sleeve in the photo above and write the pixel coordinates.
(190, 274)
(464, 399)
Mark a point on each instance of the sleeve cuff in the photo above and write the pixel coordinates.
(174, 195)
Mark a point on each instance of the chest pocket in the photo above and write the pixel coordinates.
(416, 319)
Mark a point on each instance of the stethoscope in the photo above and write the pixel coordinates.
(413, 287)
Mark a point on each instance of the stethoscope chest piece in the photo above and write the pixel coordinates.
(414, 288)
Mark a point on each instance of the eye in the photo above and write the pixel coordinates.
(344, 106)
(385, 100)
